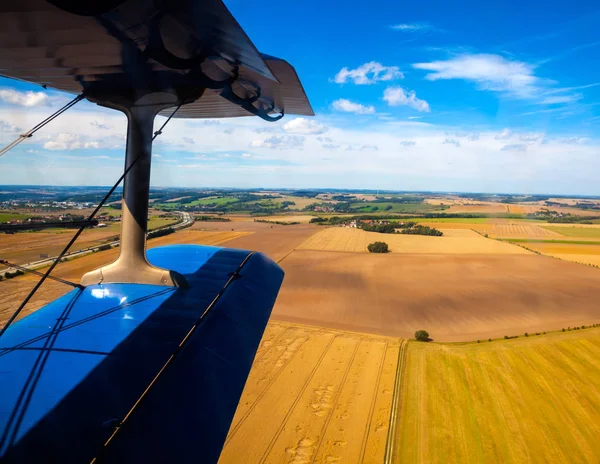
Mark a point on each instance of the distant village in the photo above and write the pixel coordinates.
(46, 211)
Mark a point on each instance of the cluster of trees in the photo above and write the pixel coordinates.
(553, 217)
(422, 335)
(161, 232)
(10, 275)
(378, 247)
(422, 230)
(281, 223)
(410, 227)
(212, 218)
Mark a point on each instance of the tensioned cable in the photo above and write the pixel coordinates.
(80, 230)
(36, 128)
(32, 271)
(184, 341)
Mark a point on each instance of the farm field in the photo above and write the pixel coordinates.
(390, 207)
(315, 395)
(526, 400)
(456, 297)
(489, 207)
(274, 240)
(579, 253)
(26, 247)
(576, 231)
(457, 241)
(15, 290)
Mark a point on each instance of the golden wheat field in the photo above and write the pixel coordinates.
(528, 400)
(578, 253)
(315, 395)
(455, 241)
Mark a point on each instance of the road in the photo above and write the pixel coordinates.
(186, 220)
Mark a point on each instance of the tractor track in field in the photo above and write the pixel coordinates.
(395, 410)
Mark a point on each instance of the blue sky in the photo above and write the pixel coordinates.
(485, 96)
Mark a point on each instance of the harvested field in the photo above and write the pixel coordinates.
(457, 242)
(274, 240)
(589, 231)
(526, 400)
(454, 297)
(518, 230)
(315, 395)
(14, 290)
(478, 208)
(26, 247)
(578, 253)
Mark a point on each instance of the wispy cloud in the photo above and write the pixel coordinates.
(99, 125)
(414, 27)
(513, 78)
(397, 96)
(348, 106)
(489, 72)
(449, 141)
(514, 147)
(368, 73)
(276, 141)
(561, 99)
(505, 134)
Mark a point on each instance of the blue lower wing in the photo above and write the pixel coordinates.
(137, 373)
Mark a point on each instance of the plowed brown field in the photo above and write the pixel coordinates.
(454, 297)
(315, 395)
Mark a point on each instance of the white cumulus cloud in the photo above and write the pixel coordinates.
(449, 141)
(29, 98)
(351, 107)
(504, 135)
(68, 142)
(368, 73)
(304, 126)
(397, 96)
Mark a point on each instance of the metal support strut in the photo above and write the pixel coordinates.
(132, 266)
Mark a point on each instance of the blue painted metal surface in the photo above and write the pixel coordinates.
(70, 372)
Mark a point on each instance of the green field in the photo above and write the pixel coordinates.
(575, 231)
(534, 399)
(5, 217)
(367, 207)
(450, 220)
(220, 201)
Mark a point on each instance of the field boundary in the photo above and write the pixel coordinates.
(390, 444)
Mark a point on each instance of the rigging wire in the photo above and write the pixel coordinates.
(37, 127)
(81, 229)
(32, 271)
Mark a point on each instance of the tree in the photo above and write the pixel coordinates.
(422, 335)
(378, 247)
